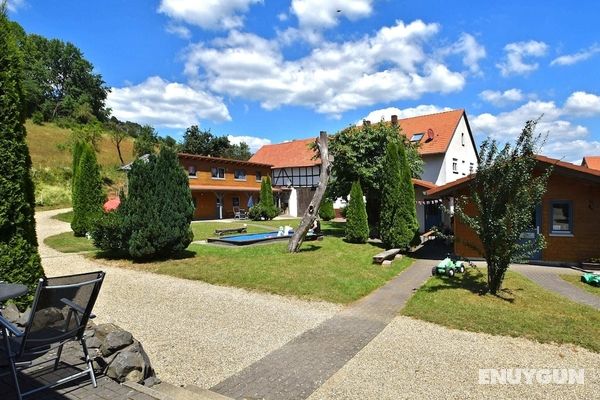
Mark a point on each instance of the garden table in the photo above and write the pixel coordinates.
(11, 290)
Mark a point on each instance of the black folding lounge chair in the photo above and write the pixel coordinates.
(61, 309)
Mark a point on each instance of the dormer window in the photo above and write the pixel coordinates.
(417, 137)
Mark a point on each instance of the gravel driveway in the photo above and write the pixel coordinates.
(194, 333)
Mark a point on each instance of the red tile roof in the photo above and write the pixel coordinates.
(442, 124)
(565, 167)
(296, 153)
(592, 162)
(424, 184)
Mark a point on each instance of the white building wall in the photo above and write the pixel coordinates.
(433, 168)
(460, 151)
(293, 203)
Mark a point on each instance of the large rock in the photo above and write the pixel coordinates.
(126, 366)
(47, 317)
(115, 341)
(11, 313)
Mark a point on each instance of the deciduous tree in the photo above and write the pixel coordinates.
(504, 193)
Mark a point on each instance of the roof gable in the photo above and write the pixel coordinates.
(296, 153)
(592, 162)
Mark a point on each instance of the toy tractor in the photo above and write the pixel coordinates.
(591, 279)
(448, 266)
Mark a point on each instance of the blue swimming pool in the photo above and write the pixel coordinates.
(252, 238)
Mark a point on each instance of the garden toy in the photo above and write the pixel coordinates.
(591, 279)
(448, 266)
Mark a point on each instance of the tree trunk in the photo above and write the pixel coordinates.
(118, 144)
(313, 208)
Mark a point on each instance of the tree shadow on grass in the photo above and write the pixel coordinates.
(308, 248)
(121, 255)
(473, 280)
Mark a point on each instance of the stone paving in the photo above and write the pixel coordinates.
(548, 277)
(79, 389)
(297, 369)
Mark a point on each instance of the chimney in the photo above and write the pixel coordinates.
(394, 120)
(430, 134)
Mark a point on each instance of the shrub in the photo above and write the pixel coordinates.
(88, 196)
(258, 212)
(110, 233)
(266, 206)
(52, 195)
(357, 227)
(326, 212)
(19, 258)
(37, 118)
(398, 219)
(153, 220)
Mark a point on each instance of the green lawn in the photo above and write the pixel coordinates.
(64, 217)
(330, 270)
(523, 309)
(67, 243)
(576, 280)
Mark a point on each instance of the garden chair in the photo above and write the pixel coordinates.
(60, 312)
(239, 213)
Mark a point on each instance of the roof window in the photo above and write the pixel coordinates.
(417, 137)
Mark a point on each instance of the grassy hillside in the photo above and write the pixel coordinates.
(51, 160)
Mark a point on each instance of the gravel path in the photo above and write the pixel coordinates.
(412, 359)
(195, 333)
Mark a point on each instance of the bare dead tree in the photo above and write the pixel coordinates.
(313, 208)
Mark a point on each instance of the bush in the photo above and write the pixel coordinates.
(19, 258)
(52, 195)
(265, 209)
(37, 118)
(153, 221)
(326, 212)
(357, 227)
(259, 212)
(87, 193)
(110, 233)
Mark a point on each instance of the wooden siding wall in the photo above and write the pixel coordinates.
(582, 245)
(203, 173)
(206, 203)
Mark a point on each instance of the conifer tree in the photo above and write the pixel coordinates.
(357, 227)
(159, 207)
(88, 196)
(19, 258)
(398, 220)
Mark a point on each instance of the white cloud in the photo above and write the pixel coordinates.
(208, 14)
(472, 51)
(179, 30)
(165, 104)
(390, 65)
(253, 142)
(582, 103)
(501, 98)
(282, 17)
(13, 5)
(565, 139)
(570, 59)
(319, 14)
(386, 113)
(515, 63)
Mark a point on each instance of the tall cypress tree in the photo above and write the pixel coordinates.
(19, 258)
(266, 204)
(88, 195)
(357, 227)
(398, 220)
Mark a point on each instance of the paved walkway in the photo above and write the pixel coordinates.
(548, 277)
(300, 367)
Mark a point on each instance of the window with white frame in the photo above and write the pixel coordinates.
(192, 171)
(217, 172)
(561, 217)
(471, 168)
(455, 165)
(239, 174)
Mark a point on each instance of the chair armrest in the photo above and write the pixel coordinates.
(76, 307)
(11, 328)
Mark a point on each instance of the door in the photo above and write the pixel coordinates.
(532, 234)
(433, 216)
(219, 205)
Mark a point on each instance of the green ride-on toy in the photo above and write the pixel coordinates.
(449, 266)
(591, 279)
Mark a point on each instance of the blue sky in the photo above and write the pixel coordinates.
(268, 71)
